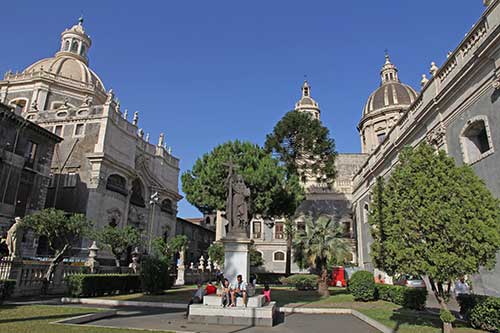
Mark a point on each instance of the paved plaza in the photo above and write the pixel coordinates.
(170, 319)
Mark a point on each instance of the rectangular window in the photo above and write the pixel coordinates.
(301, 227)
(257, 229)
(79, 129)
(31, 150)
(58, 130)
(279, 230)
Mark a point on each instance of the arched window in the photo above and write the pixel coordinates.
(476, 140)
(365, 213)
(166, 206)
(74, 46)
(117, 183)
(66, 46)
(137, 197)
(82, 51)
(279, 256)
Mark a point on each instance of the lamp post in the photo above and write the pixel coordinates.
(154, 198)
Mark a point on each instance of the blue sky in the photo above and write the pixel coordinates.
(205, 72)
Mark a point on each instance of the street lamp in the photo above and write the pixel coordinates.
(154, 198)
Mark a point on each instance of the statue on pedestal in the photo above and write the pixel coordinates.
(237, 205)
(14, 237)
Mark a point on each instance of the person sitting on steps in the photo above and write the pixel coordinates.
(239, 289)
(225, 293)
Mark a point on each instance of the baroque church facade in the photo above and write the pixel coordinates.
(105, 167)
(457, 110)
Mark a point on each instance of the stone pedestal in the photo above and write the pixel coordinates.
(236, 258)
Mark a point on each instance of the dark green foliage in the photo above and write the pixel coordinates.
(100, 284)
(320, 243)
(269, 278)
(301, 281)
(433, 218)
(272, 192)
(155, 277)
(446, 316)
(411, 298)
(118, 239)
(362, 286)
(303, 145)
(167, 250)
(468, 301)
(6, 289)
(486, 314)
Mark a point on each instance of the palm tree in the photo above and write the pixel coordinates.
(321, 243)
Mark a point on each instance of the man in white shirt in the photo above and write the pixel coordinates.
(239, 289)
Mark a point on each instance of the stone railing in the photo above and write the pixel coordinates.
(29, 275)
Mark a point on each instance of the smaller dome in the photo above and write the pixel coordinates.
(306, 102)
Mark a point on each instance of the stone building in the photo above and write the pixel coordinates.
(456, 110)
(200, 236)
(106, 167)
(26, 151)
(269, 237)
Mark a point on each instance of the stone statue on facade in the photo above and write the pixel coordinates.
(237, 205)
(14, 237)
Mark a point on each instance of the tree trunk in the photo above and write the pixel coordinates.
(288, 263)
(47, 279)
(323, 283)
(437, 289)
(117, 264)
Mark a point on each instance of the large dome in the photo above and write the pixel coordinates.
(69, 67)
(390, 95)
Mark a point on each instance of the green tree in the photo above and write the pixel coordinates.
(62, 231)
(321, 243)
(272, 192)
(117, 240)
(167, 250)
(302, 144)
(304, 147)
(434, 218)
(216, 254)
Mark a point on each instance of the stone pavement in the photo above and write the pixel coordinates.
(172, 319)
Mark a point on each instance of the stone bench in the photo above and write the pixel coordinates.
(216, 314)
(252, 302)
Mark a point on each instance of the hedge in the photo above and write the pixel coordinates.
(411, 298)
(100, 284)
(362, 286)
(301, 281)
(468, 301)
(482, 311)
(6, 289)
(269, 278)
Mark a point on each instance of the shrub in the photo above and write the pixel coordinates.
(486, 314)
(269, 278)
(362, 286)
(446, 316)
(468, 301)
(155, 277)
(100, 284)
(301, 281)
(411, 298)
(6, 289)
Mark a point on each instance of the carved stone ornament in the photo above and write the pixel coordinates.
(436, 136)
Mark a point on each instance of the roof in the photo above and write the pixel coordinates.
(195, 222)
(7, 112)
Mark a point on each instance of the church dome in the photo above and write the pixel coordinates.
(68, 67)
(391, 94)
(71, 61)
(307, 103)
